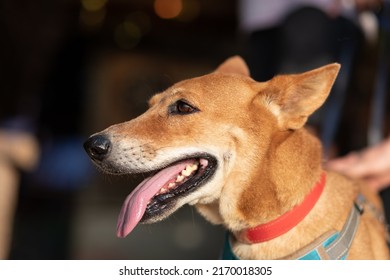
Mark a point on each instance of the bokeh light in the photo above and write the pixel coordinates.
(168, 9)
(127, 35)
(141, 19)
(93, 5)
(92, 14)
(92, 20)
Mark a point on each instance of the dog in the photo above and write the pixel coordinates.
(238, 151)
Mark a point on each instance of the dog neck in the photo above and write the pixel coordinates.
(285, 222)
(282, 180)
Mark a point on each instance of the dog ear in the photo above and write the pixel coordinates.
(297, 96)
(234, 65)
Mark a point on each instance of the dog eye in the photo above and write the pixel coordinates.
(181, 107)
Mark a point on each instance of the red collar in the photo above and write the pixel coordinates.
(287, 221)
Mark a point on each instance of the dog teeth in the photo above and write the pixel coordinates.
(189, 169)
(179, 178)
(163, 190)
(186, 172)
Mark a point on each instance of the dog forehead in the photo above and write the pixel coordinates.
(217, 85)
(218, 88)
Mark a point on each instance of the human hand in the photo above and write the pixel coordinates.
(372, 165)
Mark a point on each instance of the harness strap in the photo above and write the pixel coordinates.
(329, 246)
(316, 249)
(340, 247)
(332, 245)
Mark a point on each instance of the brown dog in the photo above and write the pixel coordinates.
(236, 149)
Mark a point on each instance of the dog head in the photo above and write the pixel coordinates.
(201, 138)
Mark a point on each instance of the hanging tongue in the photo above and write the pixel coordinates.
(135, 204)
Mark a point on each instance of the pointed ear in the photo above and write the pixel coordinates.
(293, 98)
(234, 65)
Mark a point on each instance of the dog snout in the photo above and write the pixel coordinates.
(98, 147)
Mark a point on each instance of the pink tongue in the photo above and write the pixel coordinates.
(135, 204)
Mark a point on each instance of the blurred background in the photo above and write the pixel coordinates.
(69, 68)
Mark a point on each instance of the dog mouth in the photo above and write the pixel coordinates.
(155, 196)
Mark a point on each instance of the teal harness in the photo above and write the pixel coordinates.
(330, 246)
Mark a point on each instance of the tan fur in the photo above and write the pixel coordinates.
(267, 161)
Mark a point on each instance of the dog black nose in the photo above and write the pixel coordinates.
(98, 147)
